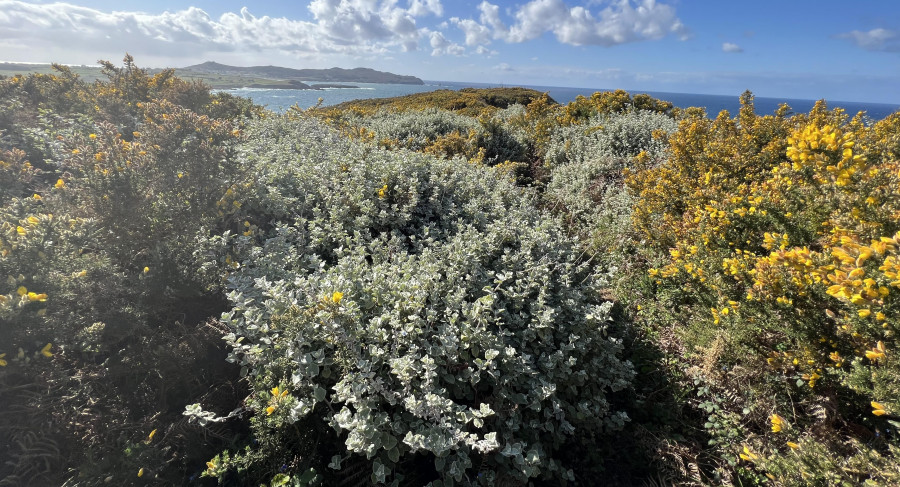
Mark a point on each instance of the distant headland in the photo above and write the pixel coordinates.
(222, 76)
(211, 72)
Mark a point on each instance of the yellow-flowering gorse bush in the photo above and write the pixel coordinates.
(99, 301)
(776, 239)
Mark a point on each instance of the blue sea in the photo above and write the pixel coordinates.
(281, 100)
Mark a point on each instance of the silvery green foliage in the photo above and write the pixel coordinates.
(467, 329)
(617, 135)
(513, 120)
(510, 119)
(414, 129)
(195, 412)
(587, 162)
(500, 140)
(591, 193)
(516, 110)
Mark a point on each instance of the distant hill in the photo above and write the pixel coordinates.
(355, 75)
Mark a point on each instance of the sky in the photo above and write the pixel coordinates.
(807, 49)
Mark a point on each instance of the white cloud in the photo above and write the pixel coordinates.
(421, 8)
(729, 47)
(620, 22)
(490, 16)
(484, 51)
(874, 40)
(352, 27)
(476, 34)
(441, 46)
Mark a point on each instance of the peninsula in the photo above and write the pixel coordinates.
(212, 71)
(222, 76)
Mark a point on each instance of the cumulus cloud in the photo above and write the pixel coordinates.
(874, 40)
(620, 22)
(420, 8)
(476, 34)
(441, 46)
(729, 47)
(484, 51)
(350, 27)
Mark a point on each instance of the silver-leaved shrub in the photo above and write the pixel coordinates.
(417, 129)
(423, 307)
(586, 181)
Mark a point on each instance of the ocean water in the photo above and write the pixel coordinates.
(281, 100)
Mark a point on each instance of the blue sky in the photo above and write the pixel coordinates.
(838, 50)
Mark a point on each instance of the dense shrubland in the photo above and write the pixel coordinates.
(107, 188)
(774, 240)
(424, 308)
(479, 287)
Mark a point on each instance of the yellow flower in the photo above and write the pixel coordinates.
(21, 230)
(793, 445)
(37, 297)
(146, 270)
(864, 313)
(748, 455)
(876, 353)
(22, 291)
(59, 184)
(878, 409)
(36, 196)
(210, 466)
(382, 191)
(271, 409)
(777, 423)
(93, 136)
(46, 350)
(141, 471)
(336, 297)
(2, 361)
(151, 435)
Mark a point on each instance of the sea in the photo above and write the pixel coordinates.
(281, 100)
